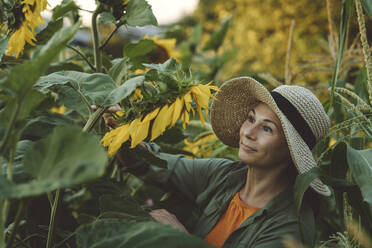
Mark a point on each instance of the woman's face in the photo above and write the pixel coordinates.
(262, 141)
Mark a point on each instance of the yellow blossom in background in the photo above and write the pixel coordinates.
(137, 95)
(201, 147)
(166, 48)
(26, 31)
(164, 117)
(59, 110)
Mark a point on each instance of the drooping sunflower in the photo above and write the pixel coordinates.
(25, 31)
(201, 147)
(162, 118)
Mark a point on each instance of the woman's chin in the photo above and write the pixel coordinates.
(247, 158)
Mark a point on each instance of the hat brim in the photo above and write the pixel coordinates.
(231, 108)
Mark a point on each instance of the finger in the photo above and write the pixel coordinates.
(94, 107)
(114, 108)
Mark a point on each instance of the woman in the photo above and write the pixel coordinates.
(249, 203)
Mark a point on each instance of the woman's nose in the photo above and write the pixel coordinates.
(250, 131)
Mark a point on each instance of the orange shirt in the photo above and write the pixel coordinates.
(235, 215)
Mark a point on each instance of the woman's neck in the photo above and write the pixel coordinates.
(262, 185)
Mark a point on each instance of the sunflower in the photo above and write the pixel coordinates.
(26, 31)
(202, 147)
(59, 110)
(166, 48)
(162, 118)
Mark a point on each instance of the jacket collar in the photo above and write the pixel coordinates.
(278, 203)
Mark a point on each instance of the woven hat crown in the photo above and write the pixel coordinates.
(309, 107)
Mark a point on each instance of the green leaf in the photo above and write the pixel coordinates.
(64, 66)
(123, 91)
(44, 124)
(3, 46)
(63, 8)
(346, 11)
(170, 66)
(139, 13)
(367, 4)
(119, 70)
(23, 77)
(125, 233)
(65, 158)
(218, 36)
(126, 206)
(141, 48)
(360, 163)
(106, 18)
(93, 88)
(44, 35)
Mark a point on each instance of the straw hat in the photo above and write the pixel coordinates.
(302, 116)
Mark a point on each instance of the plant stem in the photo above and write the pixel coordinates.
(57, 199)
(82, 56)
(345, 16)
(93, 118)
(8, 132)
(289, 53)
(85, 100)
(97, 52)
(365, 46)
(16, 223)
(109, 38)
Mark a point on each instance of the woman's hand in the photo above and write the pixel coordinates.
(107, 116)
(163, 216)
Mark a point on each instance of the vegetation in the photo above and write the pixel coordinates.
(59, 187)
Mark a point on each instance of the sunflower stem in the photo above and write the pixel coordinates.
(57, 200)
(97, 52)
(16, 224)
(93, 118)
(9, 130)
(110, 36)
(82, 56)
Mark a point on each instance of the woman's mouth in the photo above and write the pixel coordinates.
(247, 148)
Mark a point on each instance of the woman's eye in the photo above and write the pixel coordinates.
(267, 129)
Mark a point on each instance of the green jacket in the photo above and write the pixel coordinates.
(212, 183)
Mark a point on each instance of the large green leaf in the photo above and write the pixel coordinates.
(65, 158)
(360, 163)
(139, 13)
(106, 18)
(367, 4)
(122, 207)
(142, 47)
(123, 91)
(63, 8)
(91, 88)
(44, 35)
(218, 36)
(119, 70)
(43, 125)
(125, 233)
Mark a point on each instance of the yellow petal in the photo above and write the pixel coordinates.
(151, 115)
(185, 119)
(188, 100)
(178, 104)
(200, 114)
(201, 99)
(115, 138)
(161, 122)
(140, 134)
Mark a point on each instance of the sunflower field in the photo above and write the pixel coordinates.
(61, 183)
